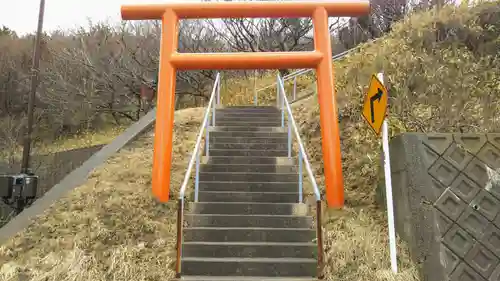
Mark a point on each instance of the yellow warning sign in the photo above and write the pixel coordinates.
(375, 107)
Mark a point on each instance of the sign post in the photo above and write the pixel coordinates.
(374, 111)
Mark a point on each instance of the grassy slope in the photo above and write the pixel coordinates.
(422, 77)
(111, 228)
(81, 140)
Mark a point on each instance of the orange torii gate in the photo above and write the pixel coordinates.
(319, 59)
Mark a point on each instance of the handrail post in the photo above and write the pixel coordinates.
(300, 176)
(282, 91)
(207, 138)
(213, 114)
(218, 91)
(289, 136)
(255, 92)
(282, 112)
(319, 234)
(277, 91)
(197, 177)
(180, 210)
(295, 88)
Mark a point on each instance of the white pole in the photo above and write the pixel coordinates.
(388, 190)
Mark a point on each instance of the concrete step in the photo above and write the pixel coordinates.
(249, 106)
(249, 250)
(264, 140)
(245, 234)
(243, 278)
(248, 114)
(232, 196)
(257, 109)
(249, 208)
(248, 123)
(202, 220)
(280, 132)
(250, 160)
(247, 146)
(249, 118)
(242, 128)
(249, 177)
(249, 187)
(282, 267)
(248, 152)
(248, 168)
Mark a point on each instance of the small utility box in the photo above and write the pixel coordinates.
(18, 186)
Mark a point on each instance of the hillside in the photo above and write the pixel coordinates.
(442, 76)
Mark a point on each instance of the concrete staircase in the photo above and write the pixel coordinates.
(247, 224)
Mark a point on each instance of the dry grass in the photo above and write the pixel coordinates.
(81, 140)
(84, 139)
(112, 229)
(446, 85)
(356, 241)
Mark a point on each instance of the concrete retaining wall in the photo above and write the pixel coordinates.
(447, 203)
(77, 176)
(50, 169)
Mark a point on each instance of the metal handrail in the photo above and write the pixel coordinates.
(302, 157)
(204, 125)
(297, 73)
(292, 125)
(195, 157)
(304, 71)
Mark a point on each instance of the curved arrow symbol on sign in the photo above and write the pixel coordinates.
(374, 98)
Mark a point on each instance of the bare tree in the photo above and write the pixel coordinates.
(196, 36)
(384, 14)
(92, 76)
(265, 35)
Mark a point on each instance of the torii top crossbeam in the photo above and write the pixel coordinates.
(249, 9)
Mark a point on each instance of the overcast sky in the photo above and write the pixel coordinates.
(22, 15)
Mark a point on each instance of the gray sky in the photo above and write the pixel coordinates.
(22, 15)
